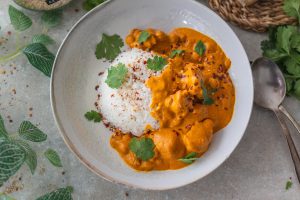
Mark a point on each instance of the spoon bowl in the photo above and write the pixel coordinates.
(269, 84)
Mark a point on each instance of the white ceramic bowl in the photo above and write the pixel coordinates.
(75, 72)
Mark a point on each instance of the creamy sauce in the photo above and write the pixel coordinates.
(186, 124)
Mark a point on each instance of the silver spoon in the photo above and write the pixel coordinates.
(269, 92)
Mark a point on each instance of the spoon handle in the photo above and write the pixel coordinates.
(292, 119)
(290, 142)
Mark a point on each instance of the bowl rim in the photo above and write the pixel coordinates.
(77, 153)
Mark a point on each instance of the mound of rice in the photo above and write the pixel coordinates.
(128, 107)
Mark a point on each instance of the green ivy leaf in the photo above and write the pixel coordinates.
(53, 157)
(200, 48)
(3, 132)
(12, 156)
(30, 132)
(39, 56)
(144, 35)
(59, 194)
(31, 157)
(109, 47)
(5, 197)
(116, 75)
(176, 52)
(189, 158)
(18, 19)
(93, 116)
(157, 63)
(52, 18)
(142, 148)
(43, 39)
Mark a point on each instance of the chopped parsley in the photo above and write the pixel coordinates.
(157, 63)
(144, 35)
(200, 48)
(288, 185)
(142, 148)
(109, 47)
(189, 158)
(116, 75)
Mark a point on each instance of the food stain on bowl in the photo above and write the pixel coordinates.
(165, 98)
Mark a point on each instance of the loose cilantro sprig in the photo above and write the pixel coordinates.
(200, 48)
(144, 35)
(93, 116)
(109, 47)
(189, 158)
(176, 52)
(116, 75)
(157, 63)
(283, 47)
(142, 148)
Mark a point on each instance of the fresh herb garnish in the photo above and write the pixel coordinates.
(292, 8)
(142, 148)
(189, 158)
(200, 48)
(176, 52)
(144, 35)
(30, 132)
(59, 194)
(42, 38)
(288, 185)
(52, 18)
(93, 116)
(157, 63)
(53, 157)
(109, 47)
(207, 100)
(90, 4)
(116, 75)
(18, 19)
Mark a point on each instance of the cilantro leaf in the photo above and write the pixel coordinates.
(206, 99)
(292, 66)
(176, 52)
(109, 47)
(157, 63)
(297, 89)
(295, 42)
(93, 116)
(18, 19)
(90, 4)
(292, 8)
(274, 54)
(200, 48)
(288, 185)
(189, 158)
(116, 75)
(142, 148)
(284, 34)
(144, 35)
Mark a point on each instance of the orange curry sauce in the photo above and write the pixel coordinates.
(186, 123)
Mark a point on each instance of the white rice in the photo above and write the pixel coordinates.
(128, 107)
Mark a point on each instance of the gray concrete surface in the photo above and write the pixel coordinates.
(258, 169)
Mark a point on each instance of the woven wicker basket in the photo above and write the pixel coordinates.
(257, 17)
